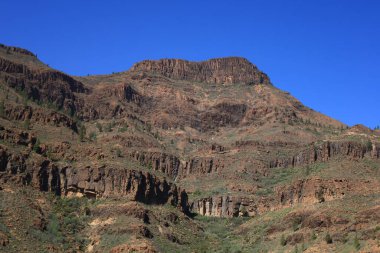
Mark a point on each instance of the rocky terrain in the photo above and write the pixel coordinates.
(178, 156)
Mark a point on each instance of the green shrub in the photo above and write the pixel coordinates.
(283, 240)
(2, 109)
(27, 124)
(82, 133)
(108, 128)
(118, 152)
(36, 146)
(369, 145)
(197, 192)
(92, 136)
(124, 128)
(99, 126)
(328, 238)
(356, 242)
(313, 236)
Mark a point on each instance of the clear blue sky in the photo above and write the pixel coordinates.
(324, 52)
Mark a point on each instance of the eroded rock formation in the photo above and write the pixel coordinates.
(325, 151)
(220, 71)
(95, 182)
(305, 191)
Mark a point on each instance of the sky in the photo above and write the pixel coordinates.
(326, 53)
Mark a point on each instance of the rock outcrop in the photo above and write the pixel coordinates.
(38, 115)
(325, 151)
(107, 182)
(200, 165)
(91, 182)
(219, 71)
(305, 191)
(48, 86)
(18, 137)
(173, 167)
(317, 190)
(165, 163)
(222, 206)
(16, 50)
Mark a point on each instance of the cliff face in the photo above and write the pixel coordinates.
(97, 182)
(174, 167)
(304, 191)
(106, 182)
(325, 151)
(165, 163)
(38, 115)
(47, 86)
(219, 71)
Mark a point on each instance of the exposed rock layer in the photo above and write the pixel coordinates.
(220, 71)
(325, 151)
(91, 182)
(306, 191)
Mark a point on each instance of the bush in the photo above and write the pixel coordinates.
(92, 136)
(197, 192)
(118, 152)
(2, 109)
(296, 223)
(369, 145)
(27, 124)
(283, 240)
(99, 126)
(124, 128)
(36, 146)
(108, 128)
(82, 133)
(313, 236)
(356, 243)
(328, 239)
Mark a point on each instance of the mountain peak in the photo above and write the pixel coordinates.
(19, 50)
(226, 70)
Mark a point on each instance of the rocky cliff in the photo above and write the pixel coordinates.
(303, 191)
(219, 71)
(48, 86)
(98, 182)
(174, 167)
(39, 116)
(323, 152)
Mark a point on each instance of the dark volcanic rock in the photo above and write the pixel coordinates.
(48, 86)
(220, 71)
(325, 151)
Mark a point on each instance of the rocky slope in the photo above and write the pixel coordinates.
(156, 158)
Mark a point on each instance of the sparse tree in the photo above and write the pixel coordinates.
(82, 133)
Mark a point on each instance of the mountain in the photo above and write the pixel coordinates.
(173, 155)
